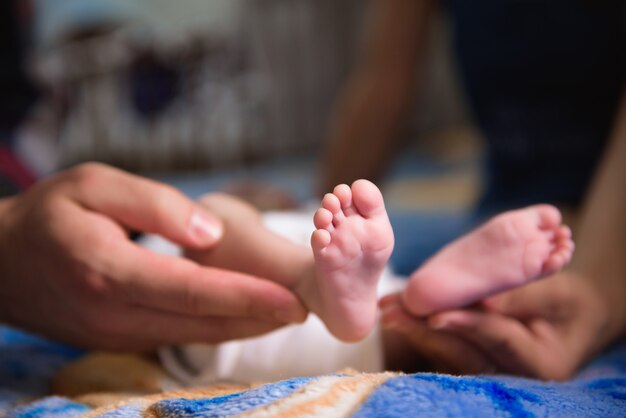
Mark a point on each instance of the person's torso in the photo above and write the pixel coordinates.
(543, 79)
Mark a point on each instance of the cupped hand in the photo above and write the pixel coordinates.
(545, 330)
(68, 269)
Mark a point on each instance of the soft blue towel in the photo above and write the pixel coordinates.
(599, 390)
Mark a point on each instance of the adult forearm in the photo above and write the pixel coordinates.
(364, 132)
(601, 237)
(370, 112)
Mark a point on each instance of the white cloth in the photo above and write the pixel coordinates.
(296, 350)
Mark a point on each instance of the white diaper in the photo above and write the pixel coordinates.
(296, 350)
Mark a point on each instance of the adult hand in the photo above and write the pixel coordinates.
(69, 271)
(544, 330)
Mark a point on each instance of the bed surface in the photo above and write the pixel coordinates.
(28, 363)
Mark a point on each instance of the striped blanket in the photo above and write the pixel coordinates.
(599, 390)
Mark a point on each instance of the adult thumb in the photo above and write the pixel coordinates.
(146, 205)
(551, 299)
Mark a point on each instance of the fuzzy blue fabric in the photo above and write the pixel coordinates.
(50, 407)
(27, 364)
(599, 390)
(230, 405)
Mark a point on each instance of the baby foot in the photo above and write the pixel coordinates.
(510, 250)
(351, 247)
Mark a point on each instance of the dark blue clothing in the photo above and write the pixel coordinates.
(543, 79)
(16, 94)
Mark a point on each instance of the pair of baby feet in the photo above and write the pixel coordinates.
(354, 240)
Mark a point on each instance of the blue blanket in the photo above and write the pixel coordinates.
(27, 364)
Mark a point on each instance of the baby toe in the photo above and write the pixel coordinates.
(564, 232)
(320, 240)
(566, 247)
(367, 198)
(559, 258)
(548, 216)
(554, 263)
(331, 203)
(323, 218)
(344, 194)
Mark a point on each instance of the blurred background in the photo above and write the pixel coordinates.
(244, 96)
(214, 94)
(156, 86)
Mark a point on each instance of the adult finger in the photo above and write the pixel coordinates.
(550, 299)
(445, 351)
(145, 205)
(531, 349)
(178, 285)
(138, 328)
(133, 274)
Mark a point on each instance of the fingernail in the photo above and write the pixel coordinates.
(204, 229)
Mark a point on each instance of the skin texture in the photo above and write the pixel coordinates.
(544, 330)
(374, 106)
(512, 249)
(550, 328)
(548, 340)
(351, 247)
(337, 279)
(69, 271)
